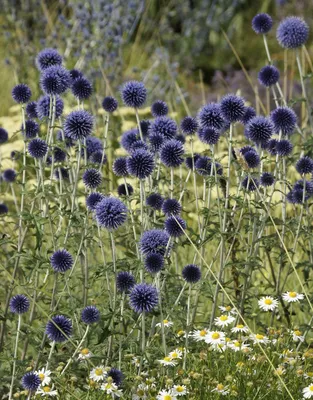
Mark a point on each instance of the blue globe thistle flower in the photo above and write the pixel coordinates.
(248, 115)
(37, 148)
(232, 108)
(163, 126)
(189, 125)
(159, 108)
(3, 209)
(299, 185)
(245, 149)
(171, 153)
(156, 142)
(61, 260)
(129, 138)
(267, 179)
(64, 173)
(43, 107)
(154, 241)
(145, 125)
(252, 158)
(125, 281)
(9, 175)
(210, 116)
(116, 375)
(181, 138)
(268, 76)
(208, 135)
(31, 381)
(154, 263)
(59, 155)
(204, 166)
(139, 144)
(4, 136)
(188, 160)
(292, 32)
(155, 201)
(31, 129)
(81, 88)
(109, 104)
(262, 23)
(296, 196)
(174, 226)
(21, 93)
(134, 94)
(304, 165)
(55, 80)
(121, 190)
(120, 166)
(171, 207)
(93, 199)
(90, 315)
(59, 329)
(250, 184)
(191, 273)
(111, 213)
(92, 144)
(31, 109)
(143, 298)
(260, 129)
(284, 120)
(92, 178)
(47, 58)
(140, 164)
(75, 73)
(19, 304)
(289, 197)
(284, 148)
(97, 157)
(271, 146)
(78, 125)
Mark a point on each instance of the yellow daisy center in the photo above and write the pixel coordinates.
(239, 326)
(259, 337)
(268, 301)
(237, 344)
(46, 389)
(41, 376)
(215, 335)
(167, 397)
(220, 386)
(140, 392)
(228, 308)
(99, 371)
(292, 294)
(223, 317)
(174, 354)
(165, 321)
(202, 333)
(166, 359)
(179, 389)
(85, 352)
(297, 333)
(311, 388)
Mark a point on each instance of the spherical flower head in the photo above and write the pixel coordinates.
(129, 138)
(175, 226)
(191, 273)
(93, 199)
(299, 185)
(116, 375)
(232, 108)
(31, 381)
(31, 110)
(75, 73)
(109, 104)
(9, 175)
(21, 93)
(78, 125)
(305, 165)
(155, 201)
(3, 209)
(171, 153)
(121, 190)
(204, 166)
(55, 80)
(271, 146)
(252, 159)
(143, 298)
(31, 129)
(189, 125)
(140, 164)
(19, 304)
(292, 32)
(139, 144)
(156, 142)
(125, 281)
(154, 241)
(267, 179)
(192, 160)
(248, 115)
(61, 261)
(159, 108)
(120, 166)
(59, 329)
(210, 116)
(181, 138)
(81, 88)
(284, 120)
(262, 23)
(297, 196)
(43, 107)
(92, 178)
(250, 183)
(134, 94)
(154, 263)
(284, 148)
(4, 136)
(260, 129)
(145, 125)
(59, 155)
(208, 135)
(171, 207)
(90, 315)
(163, 126)
(111, 213)
(268, 76)
(47, 58)
(97, 157)
(37, 148)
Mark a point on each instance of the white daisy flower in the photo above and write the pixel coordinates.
(297, 336)
(228, 309)
(135, 361)
(221, 389)
(111, 388)
(308, 392)
(240, 328)
(179, 390)
(219, 347)
(84, 354)
(176, 354)
(258, 338)
(199, 335)
(268, 303)
(236, 345)
(44, 376)
(215, 337)
(166, 395)
(292, 297)
(47, 391)
(224, 320)
(167, 361)
(166, 323)
(98, 374)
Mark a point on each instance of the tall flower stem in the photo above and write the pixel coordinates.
(143, 340)
(76, 351)
(121, 332)
(15, 355)
(187, 327)
(172, 182)
(50, 354)
(304, 94)
(138, 123)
